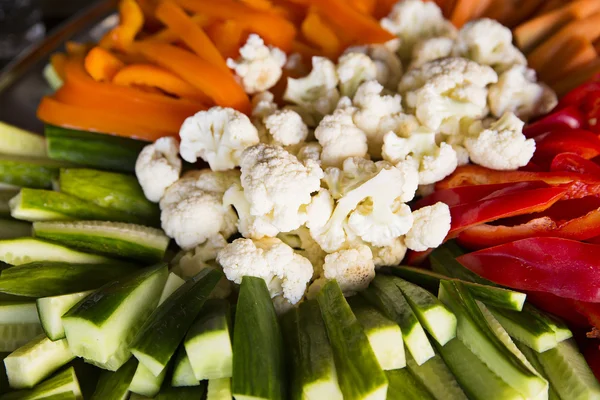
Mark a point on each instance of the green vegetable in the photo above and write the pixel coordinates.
(52, 78)
(5, 196)
(527, 327)
(11, 229)
(115, 385)
(29, 172)
(219, 389)
(437, 378)
(19, 142)
(28, 250)
(144, 382)
(183, 374)
(404, 386)
(58, 385)
(16, 334)
(181, 393)
(51, 309)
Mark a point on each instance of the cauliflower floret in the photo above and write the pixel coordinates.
(340, 137)
(263, 105)
(286, 127)
(310, 151)
(488, 42)
(353, 268)
(389, 66)
(259, 66)
(316, 94)
(432, 224)
(430, 50)
(249, 226)
(284, 271)
(303, 244)
(389, 255)
(218, 136)
(158, 167)
(502, 146)
(414, 20)
(354, 69)
(518, 92)
(433, 162)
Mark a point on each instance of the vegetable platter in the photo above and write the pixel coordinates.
(302, 199)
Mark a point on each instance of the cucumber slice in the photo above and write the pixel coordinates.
(145, 383)
(258, 365)
(59, 384)
(93, 149)
(208, 342)
(52, 78)
(115, 239)
(51, 309)
(28, 250)
(20, 142)
(527, 328)
(183, 374)
(432, 314)
(101, 327)
(360, 376)
(384, 334)
(561, 330)
(135, 396)
(18, 312)
(182, 393)
(387, 297)
(531, 356)
(425, 278)
(475, 332)
(15, 335)
(219, 389)
(10, 229)
(32, 363)
(174, 282)
(474, 376)
(158, 339)
(436, 377)
(38, 173)
(443, 261)
(43, 279)
(5, 196)
(110, 190)
(46, 205)
(115, 385)
(404, 386)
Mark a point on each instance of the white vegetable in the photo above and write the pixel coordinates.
(310, 151)
(389, 255)
(284, 271)
(286, 127)
(259, 66)
(354, 69)
(353, 268)
(389, 66)
(431, 49)
(157, 167)
(432, 224)
(303, 244)
(250, 226)
(263, 105)
(218, 136)
(502, 146)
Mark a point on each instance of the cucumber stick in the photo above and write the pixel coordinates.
(145, 383)
(404, 386)
(258, 361)
(561, 330)
(435, 375)
(11, 229)
(101, 327)
(19, 142)
(181, 393)
(5, 196)
(43, 279)
(115, 239)
(384, 334)
(19, 323)
(51, 309)
(530, 329)
(432, 314)
(174, 282)
(531, 356)
(60, 385)
(158, 339)
(38, 173)
(183, 374)
(52, 78)
(387, 297)
(208, 341)
(219, 389)
(28, 250)
(115, 385)
(30, 364)
(359, 373)
(443, 261)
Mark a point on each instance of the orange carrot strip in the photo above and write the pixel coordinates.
(319, 34)
(462, 12)
(364, 6)
(167, 35)
(153, 76)
(577, 52)
(447, 7)
(101, 64)
(263, 5)
(217, 84)
(191, 34)
(550, 5)
(58, 61)
(500, 10)
(577, 77)
(274, 29)
(363, 28)
(131, 23)
(228, 37)
(306, 51)
(522, 12)
(597, 46)
(481, 8)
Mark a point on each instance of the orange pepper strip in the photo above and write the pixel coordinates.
(263, 5)
(274, 29)
(191, 34)
(131, 23)
(228, 37)
(318, 33)
(364, 6)
(217, 84)
(168, 35)
(306, 51)
(77, 49)
(53, 112)
(153, 76)
(58, 61)
(101, 64)
(362, 28)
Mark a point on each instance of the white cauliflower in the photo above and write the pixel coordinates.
(286, 127)
(433, 162)
(354, 69)
(192, 215)
(414, 20)
(259, 66)
(249, 226)
(389, 66)
(263, 105)
(389, 255)
(517, 91)
(502, 146)
(316, 94)
(352, 268)
(310, 151)
(218, 136)
(284, 271)
(157, 167)
(488, 42)
(430, 50)
(340, 138)
(303, 244)
(432, 224)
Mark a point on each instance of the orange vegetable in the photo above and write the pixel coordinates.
(522, 12)
(219, 85)
(167, 35)
(227, 36)
(383, 8)
(577, 52)
(597, 46)
(550, 5)
(319, 34)
(76, 48)
(364, 6)
(157, 77)
(264, 5)
(306, 51)
(148, 7)
(131, 23)
(499, 10)
(101, 64)
(463, 10)
(191, 34)
(577, 77)
(481, 8)
(58, 61)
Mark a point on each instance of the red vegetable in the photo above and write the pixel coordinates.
(592, 356)
(591, 311)
(567, 118)
(578, 141)
(563, 267)
(576, 96)
(591, 111)
(557, 306)
(571, 162)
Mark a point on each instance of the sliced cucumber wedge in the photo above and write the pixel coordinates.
(174, 282)
(20, 142)
(527, 328)
(219, 389)
(437, 378)
(115, 239)
(404, 386)
(51, 309)
(561, 330)
(144, 382)
(61, 385)
(11, 229)
(181, 393)
(115, 385)
(28, 250)
(32, 363)
(443, 261)
(18, 312)
(15, 335)
(183, 374)
(531, 356)
(101, 327)
(5, 196)
(38, 173)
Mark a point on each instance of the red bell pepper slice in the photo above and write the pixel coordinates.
(592, 356)
(591, 311)
(566, 268)
(567, 118)
(578, 141)
(576, 96)
(571, 162)
(557, 306)
(591, 111)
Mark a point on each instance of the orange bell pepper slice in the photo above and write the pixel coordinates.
(319, 34)
(101, 64)
(167, 35)
(131, 23)
(364, 6)
(76, 48)
(228, 37)
(58, 61)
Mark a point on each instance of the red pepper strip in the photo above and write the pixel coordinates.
(571, 162)
(592, 356)
(562, 211)
(591, 311)
(578, 141)
(557, 306)
(576, 96)
(522, 202)
(567, 118)
(591, 110)
(566, 268)
(416, 257)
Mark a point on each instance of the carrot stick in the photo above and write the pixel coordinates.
(447, 6)
(577, 77)
(148, 7)
(319, 34)
(462, 12)
(58, 61)
(217, 84)
(364, 6)
(263, 5)
(597, 46)
(523, 12)
(500, 10)
(306, 51)
(577, 52)
(481, 8)
(228, 37)
(167, 35)
(191, 34)
(131, 23)
(101, 64)
(550, 5)
(153, 76)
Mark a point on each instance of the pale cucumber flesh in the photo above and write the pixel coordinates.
(20, 142)
(61, 382)
(28, 250)
(51, 310)
(115, 385)
(526, 328)
(173, 283)
(145, 383)
(437, 378)
(13, 336)
(219, 389)
(183, 374)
